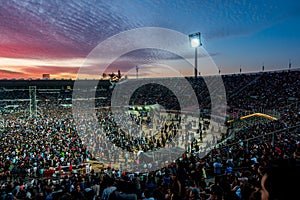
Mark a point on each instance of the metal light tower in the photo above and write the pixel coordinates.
(33, 102)
(137, 72)
(195, 42)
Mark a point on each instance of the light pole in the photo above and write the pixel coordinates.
(195, 41)
(137, 72)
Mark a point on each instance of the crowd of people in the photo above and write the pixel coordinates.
(257, 160)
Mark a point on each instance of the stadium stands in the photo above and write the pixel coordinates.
(40, 157)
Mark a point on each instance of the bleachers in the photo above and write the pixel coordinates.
(56, 128)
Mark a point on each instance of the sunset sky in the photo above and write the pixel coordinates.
(55, 37)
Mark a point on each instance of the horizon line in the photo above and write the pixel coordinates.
(189, 76)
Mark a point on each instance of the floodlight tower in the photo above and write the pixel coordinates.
(195, 42)
(137, 72)
(33, 102)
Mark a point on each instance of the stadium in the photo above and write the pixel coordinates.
(43, 144)
(149, 100)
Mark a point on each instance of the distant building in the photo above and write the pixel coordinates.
(46, 76)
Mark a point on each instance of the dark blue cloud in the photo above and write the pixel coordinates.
(87, 23)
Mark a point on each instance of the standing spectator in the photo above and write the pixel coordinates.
(175, 186)
(217, 168)
(78, 194)
(109, 189)
(215, 192)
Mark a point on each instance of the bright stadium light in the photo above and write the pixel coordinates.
(195, 42)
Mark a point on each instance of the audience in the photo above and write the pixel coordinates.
(41, 158)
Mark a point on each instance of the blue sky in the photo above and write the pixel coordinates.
(55, 36)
